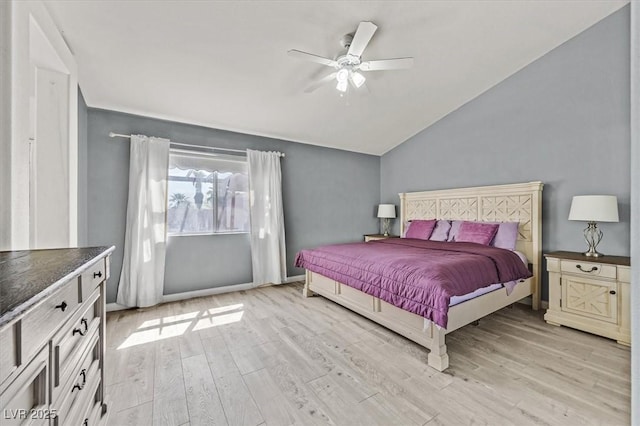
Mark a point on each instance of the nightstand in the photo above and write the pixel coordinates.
(372, 237)
(590, 294)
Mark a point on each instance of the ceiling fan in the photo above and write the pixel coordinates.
(349, 64)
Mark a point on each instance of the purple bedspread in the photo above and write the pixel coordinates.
(415, 275)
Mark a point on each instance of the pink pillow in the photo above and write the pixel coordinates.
(420, 229)
(477, 232)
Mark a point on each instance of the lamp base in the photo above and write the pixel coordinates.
(386, 226)
(592, 235)
(593, 254)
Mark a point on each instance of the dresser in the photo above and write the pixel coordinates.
(52, 336)
(590, 294)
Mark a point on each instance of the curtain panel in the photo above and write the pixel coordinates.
(142, 277)
(268, 253)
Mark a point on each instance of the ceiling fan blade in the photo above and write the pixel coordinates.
(313, 86)
(387, 64)
(362, 38)
(313, 58)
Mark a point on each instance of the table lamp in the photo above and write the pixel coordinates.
(386, 212)
(592, 209)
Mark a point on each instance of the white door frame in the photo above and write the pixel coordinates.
(37, 43)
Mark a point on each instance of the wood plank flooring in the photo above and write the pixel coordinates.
(268, 356)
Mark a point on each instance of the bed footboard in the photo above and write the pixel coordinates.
(407, 324)
(410, 325)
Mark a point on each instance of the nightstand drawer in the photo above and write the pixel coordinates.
(590, 298)
(588, 269)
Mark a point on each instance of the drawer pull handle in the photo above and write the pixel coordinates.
(62, 306)
(97, 274)
(593, 268)
(78, 386)
(77, 330)
(612, 292)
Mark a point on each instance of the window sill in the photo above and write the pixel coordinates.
(208, 234)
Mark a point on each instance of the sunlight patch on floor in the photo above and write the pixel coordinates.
(176, 325)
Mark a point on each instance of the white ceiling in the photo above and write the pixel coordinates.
(224, 64)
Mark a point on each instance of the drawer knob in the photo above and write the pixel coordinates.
(62, 306)
(612, 292)
(97, 274)
(77, 330)
(593, 268)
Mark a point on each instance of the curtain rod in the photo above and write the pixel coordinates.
(119, 135)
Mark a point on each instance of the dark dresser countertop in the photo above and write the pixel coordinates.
(28, 276)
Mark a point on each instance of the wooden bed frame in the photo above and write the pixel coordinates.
(501, 203)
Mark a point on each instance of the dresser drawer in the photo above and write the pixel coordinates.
(588, 269)
(71, 402)
(9, 350)
(41, 323)
(72, 341)
(91, 278)
(93, 416)
(26, 400)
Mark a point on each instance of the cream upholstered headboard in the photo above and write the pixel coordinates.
(520, 202)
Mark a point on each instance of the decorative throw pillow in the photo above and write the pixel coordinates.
(441, 231)
(507, 235)
(477, 232)
(455, 227)
(420, 229)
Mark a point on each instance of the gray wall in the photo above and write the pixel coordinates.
(329, 196)
(564, 120)
(82, 171)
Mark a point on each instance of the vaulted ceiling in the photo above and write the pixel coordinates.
(224, 64)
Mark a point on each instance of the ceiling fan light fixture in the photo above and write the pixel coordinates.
(342, 75)
(357, 79)
(348, 65)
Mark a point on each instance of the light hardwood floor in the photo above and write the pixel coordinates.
(269, 356)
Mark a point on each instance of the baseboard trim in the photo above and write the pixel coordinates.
(206, 292)
(527, 301)
(115, 307)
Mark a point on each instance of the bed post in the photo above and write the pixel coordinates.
(536, 236)
(438, 357)
(306, 292)
(403, 210)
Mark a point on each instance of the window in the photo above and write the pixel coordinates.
(208, 193)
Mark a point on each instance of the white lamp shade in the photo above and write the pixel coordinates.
(594, 208)
(386, 211)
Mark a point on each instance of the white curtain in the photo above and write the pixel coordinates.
(268, 255)
(142, 276)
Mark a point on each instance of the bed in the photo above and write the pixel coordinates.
(501, 203)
